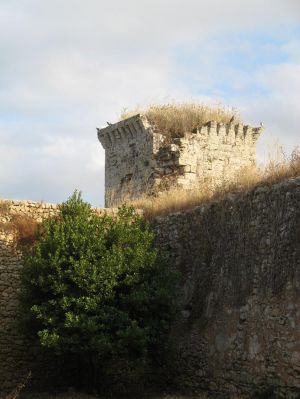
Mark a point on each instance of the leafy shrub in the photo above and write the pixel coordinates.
(96, 287)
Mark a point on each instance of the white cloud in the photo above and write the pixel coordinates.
(68, 66)
(280, 108)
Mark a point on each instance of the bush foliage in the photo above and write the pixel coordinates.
(96, 286)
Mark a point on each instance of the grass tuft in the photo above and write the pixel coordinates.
(27, 230)
(4, 208)
(25, 227)
(174, 119)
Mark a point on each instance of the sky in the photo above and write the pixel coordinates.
(69, 66)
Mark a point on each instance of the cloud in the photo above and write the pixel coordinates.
(68, 66)
(280, 108)
(258, 74)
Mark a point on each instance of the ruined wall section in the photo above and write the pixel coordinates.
(214, 154)
(140, 160)
(239, 327)
(128, 159)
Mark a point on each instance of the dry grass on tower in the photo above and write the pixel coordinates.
(177, 118)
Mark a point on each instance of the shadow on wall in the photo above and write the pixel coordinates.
(19, 355)
(239, 257)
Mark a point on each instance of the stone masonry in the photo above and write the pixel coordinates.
(18, 356)
(238, 330)
(140, 160)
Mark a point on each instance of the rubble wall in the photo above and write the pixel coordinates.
(18, 356)
(140, 160)
(238, 331)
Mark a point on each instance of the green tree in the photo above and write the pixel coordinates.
(97, 287)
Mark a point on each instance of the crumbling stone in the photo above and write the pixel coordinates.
(140, 160)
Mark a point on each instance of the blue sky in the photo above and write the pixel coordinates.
(68, 66)
(244, 54)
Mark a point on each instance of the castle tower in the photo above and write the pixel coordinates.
(140, 160)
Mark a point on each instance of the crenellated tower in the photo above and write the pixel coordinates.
(141, 160)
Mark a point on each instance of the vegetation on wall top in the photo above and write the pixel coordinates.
(177, 118)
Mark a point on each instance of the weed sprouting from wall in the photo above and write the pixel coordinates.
(4, 208)
(27, 229)
(24, 227)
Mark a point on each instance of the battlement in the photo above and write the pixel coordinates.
(141, 160)
(125, 131)
(235, 131)
(128, 131)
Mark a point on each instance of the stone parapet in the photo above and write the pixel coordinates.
(237, 131)
(123, 132)
(140, 160)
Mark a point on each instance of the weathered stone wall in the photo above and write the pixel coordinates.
(128, 159)
(239, 328)
(140, 160)
(14, 362)
(17, 355)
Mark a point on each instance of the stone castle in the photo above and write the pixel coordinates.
(237, 328)
(141, 160)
